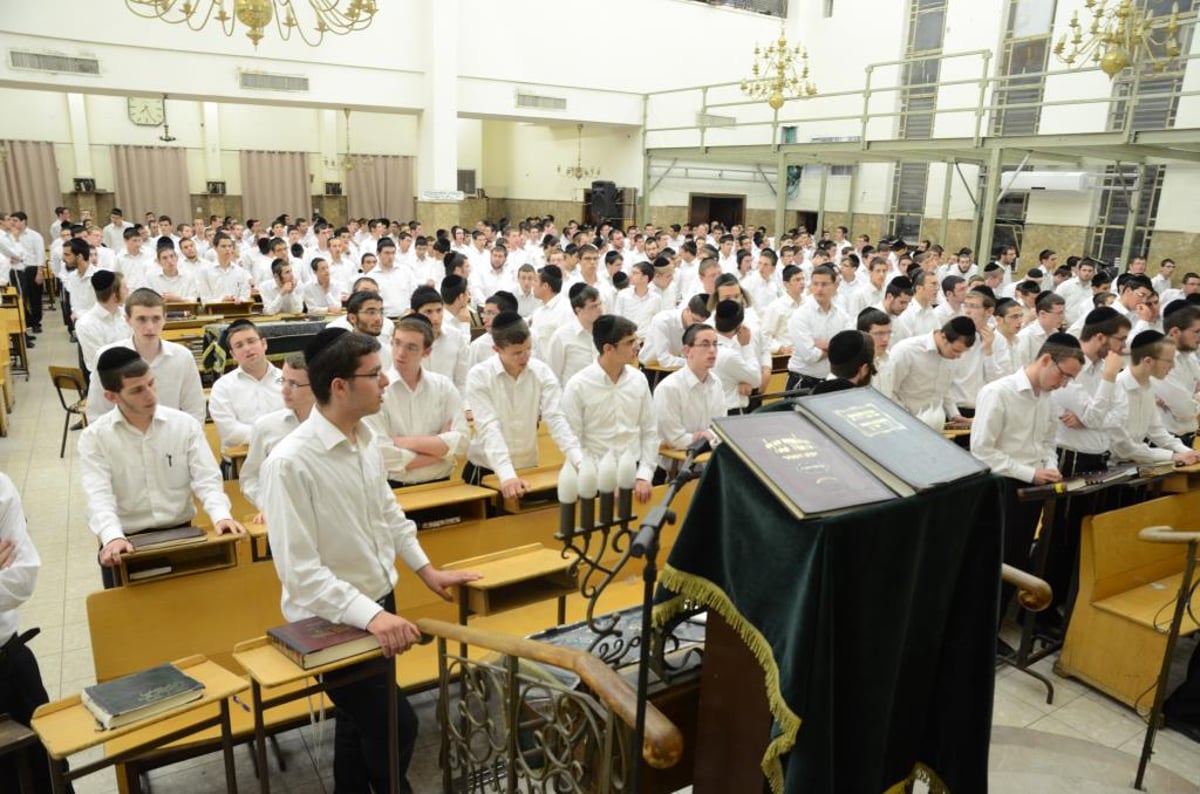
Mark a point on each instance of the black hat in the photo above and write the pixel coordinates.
(115, 358)
(423, 295)
(847, 345)
(103, 279)
(575, 289)
(552, 271)
(984, 289)
(1062, 339)
(1101, 314)
(505, 319)
(1174, 306)
(1148, 337)
(729, 316)
(323, 339)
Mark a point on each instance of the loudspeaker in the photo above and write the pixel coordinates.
(604, 202)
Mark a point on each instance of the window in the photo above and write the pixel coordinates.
(774, 8)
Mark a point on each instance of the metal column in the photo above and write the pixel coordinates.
(1135, 206)
(821, 200)
(947, 184)
(990, 200)
(781, 191)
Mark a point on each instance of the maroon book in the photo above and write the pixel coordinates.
(314, 641)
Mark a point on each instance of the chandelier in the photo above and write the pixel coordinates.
(774, 76)
(346, 162)
(311, 22)
(1121, 34)
(577, 171)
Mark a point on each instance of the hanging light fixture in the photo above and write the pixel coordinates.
(166, 137)
(1122, 34)
(779, 73)
(309, 19)
(578, 171)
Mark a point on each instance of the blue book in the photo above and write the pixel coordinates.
(140, 695)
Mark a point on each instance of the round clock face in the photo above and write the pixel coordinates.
(146, 111)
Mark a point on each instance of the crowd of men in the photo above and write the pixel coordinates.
(456, 344)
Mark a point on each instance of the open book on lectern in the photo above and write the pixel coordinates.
(845, 449)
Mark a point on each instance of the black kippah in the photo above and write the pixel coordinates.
(1063, 340)
(729, 316)
(1100, 314)
(1148, 337)
(325, 338)
(103, 279)
(505, 319)
(115, 358)
(423, 295)
(964, 326)
(552, 271)
(575, 289)
(846, 346)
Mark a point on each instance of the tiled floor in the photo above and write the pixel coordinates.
(55, 507)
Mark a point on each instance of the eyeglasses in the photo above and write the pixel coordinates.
(375, 373)
(1066, 376)
(293, 384)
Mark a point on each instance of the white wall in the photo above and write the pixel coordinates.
(521, 159)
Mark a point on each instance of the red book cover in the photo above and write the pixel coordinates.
(314, 634)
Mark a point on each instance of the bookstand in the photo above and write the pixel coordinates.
(67, 727)
(218, 551)
(433, 505)
(268, 667)
(542, 481)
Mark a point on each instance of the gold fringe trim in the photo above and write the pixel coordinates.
(697, 588)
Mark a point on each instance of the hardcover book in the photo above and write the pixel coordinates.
(898, 448)
(804, 467)
(165, 538)
(315, 641)
(140, 695)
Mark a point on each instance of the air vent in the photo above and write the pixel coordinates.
(49, 62)
(214, 188)
(540, 102)
(85, 185)
(713, 120)
(265, 81)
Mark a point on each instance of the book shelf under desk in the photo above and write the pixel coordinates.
(543, 482)
(514, 578)
(213, 553)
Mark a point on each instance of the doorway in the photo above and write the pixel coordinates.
(730, 210)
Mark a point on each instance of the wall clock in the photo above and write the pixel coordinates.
(146, 111)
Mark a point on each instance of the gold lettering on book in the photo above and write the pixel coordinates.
(869, 420)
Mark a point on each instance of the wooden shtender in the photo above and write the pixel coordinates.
(514, 578)
(543, 480)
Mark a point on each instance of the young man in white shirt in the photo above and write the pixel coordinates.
(169, 281)
(242, 395)
(225, 281)
(114, 232)
(135, 261)
(1051, 311)
(335, 531)
(104, 323)
(480, 347)
(448, 354)
(554, 312)
(269, 429)
(811, 327)
(920, 317)
(177, 381)
(1176, 393)
(394, 279)
(954, 291)
(1135, 416)
(421, 425)
(1013, 433)
(1166, 271)
(639, 303)
(572, 348)
(664, 344)
(737, 365)
(922, 368)
(281, 295)
(506, 395)
(141, 464)
(608, 405)
(687, 400)
(762, 284)
(321, 295)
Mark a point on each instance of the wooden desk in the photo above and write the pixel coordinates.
(441, 504)
(270, 668)
(515, 578)
(236, 456)
(213, 553)
(66, 727)
(543, 483)
(1184, 479)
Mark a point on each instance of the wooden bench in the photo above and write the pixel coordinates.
(543, 484)
(1127, 590)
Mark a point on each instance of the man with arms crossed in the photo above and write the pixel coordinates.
(336, 531)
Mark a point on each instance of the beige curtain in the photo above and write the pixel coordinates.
(274, 183)
(381, 187)
(29, 182)
(151, 179)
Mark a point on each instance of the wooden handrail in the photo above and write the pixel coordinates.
(1165, 534)
(1033, 593)
(662, 745)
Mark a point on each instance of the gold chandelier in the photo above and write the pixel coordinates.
(578, 171)
(1121, 34)
(774, 76)
(336, 17)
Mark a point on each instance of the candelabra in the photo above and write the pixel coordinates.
(1120, 35)
(289, 16)
(774, 76)
(578, 171)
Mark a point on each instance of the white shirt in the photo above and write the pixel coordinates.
(571, 349)
(267, 431)
(1178, 392)
(176, 380)
(1013, 430)
(684, 405)
(547, 319)
(275, 301)
(775, 322)
(664, 340)
(136, 481)
(18, 579)
(974, 369)
(807, 324)
(527, 303)
(218, 283)
(136, 269)
(238, 398)
(96, 328)
(334, 525)
(1090, 397)
(916, 321)
(114, 236)
(640, 309)
(616, 417)
(736, 363)
(317, 297)
(1029, 341)
(762, 291)
(83, 294)
(395, 287)
(447, 357)
(1135, 417)
(1078, 297)
(433, 408)
(181, 285)
(921, 379)
(506, 409)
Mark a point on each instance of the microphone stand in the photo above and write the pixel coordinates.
(645, 544)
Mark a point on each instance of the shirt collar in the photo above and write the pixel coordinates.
(330, 436)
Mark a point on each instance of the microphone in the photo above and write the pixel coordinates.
(699, 447)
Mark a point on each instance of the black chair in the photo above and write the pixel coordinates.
(69, 379)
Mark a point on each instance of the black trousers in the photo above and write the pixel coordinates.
(31, 292)
(1020, 524)
(473, 475)
(64, 300)
(1184, 703)
(360, 737)
(1062, 553)
(21, 692)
